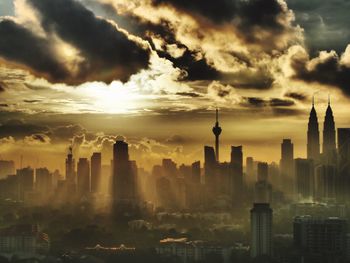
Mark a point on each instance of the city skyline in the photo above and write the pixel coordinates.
(263, 80)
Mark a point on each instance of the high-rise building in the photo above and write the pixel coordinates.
(96, 172)
(261, 230)
(26, 181)
(320, 240)
(210, 165)
(124, 189)
(169, 167)
(196, 172)
(304, 175)
(344, 145)
(236, 164)
(43, 181)
(70, 168)
(263, 172)
(329, 147)
(287, 158)
(217, 131)
(325, 183)
(313, 135)
(83, 172)
(343, 184)
(250, 166)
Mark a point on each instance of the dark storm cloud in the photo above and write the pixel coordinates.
(326, 69)
(256, 102)
(20, 45)
(107, 52)
(249, 15)
(296, 96)
(273, 102)
(325, 23)
(20, 129)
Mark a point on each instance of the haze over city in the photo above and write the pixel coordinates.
(181, 130)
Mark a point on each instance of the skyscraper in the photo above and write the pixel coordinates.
(343, 183)
(96, 172)
(263, 171)
(329, 148)
(304, 174)
(217, 131)
(344, 145)
(43, 181)
(313, 135)
(287, 158)
(261, 230)
(236, 165)
(325, 183)
(70, 167)
(210, 164)
(83, 180)
(26, 181)
(196, 172)
(124, 180)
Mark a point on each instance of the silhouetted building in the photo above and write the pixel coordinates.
(287, 159)
(96, 172)
(169, 168)
(217, 131)
(313, 136)
(124, 181)
(304, 176)
(210, 165)
(343, 184)
(6, 168)
(196, 172)
(26, 181)
(329, 147)
(320, 240)
(70, 168)
(83, 172)
(43, 181)
(261, 230)
(325, 183)
(250, 171)
(237, 171)
(263, 172)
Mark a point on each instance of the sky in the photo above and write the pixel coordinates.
(82, 72)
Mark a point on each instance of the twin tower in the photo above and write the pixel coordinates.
(313, 134)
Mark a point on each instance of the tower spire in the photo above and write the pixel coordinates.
(217, 131)
(313, 100)
(329, 99)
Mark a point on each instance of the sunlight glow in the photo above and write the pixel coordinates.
(113, 98)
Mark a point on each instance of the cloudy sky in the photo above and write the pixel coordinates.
(81, 72)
